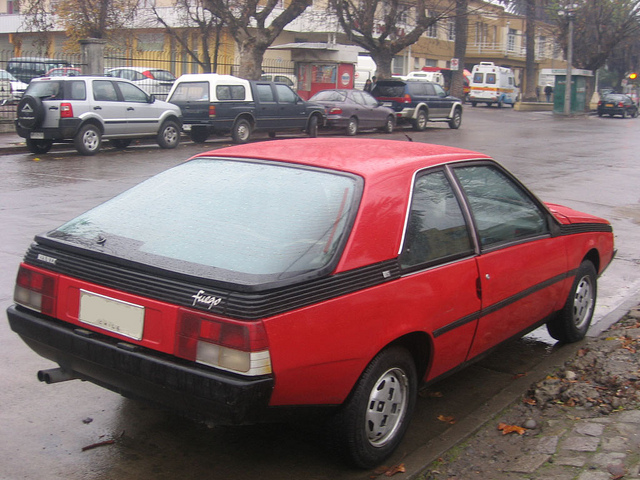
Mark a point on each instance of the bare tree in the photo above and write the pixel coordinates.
(188, 14)
(254, 26)
(386, 27)
(80, 18)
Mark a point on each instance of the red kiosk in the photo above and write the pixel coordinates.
(322, 66)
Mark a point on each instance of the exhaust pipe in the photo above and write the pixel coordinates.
(56, 375)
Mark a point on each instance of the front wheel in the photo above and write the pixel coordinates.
(169, 135)
(39, 146)
(420, 122)
(88, 139)
(456, 120)
(372, 422)
(572, 322)
(389, 124)
(352, 126)
(241, 132)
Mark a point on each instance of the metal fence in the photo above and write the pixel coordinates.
(175, 62)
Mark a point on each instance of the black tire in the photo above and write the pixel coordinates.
(499, 104)
(456, 120)
(199, 134)
(241, 131)
(312, 128)
(635, 113)
(474, 104)
(599, 114)
(572, 322)
(272, 134)
(39, 146)
(88, 139)
(352, 126)
(30, 112)
(420, 122)
(371, 423)
(624, 113)
(389, 124)
(120, 143)
(169, 135)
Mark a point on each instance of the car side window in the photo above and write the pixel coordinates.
(430, 90)
(265, 94)
(77, 90)
(503, 211)
(131, 93)
(439, 90)
(436, 229)
(104, 91)
(358, 98)
(285, 94)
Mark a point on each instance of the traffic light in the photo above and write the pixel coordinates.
(633, 76)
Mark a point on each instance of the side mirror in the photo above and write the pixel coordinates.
(152, 98)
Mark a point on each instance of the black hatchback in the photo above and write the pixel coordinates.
(617, 104)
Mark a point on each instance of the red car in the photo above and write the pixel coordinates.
(331, 274)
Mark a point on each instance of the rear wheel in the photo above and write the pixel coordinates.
(312, 129)
(624, 113)
(473, 104)
(389, 124)
(352, 126)
(120, 143)
(199, 134)
(420, 122)
(169, 135)
(241, 132)
(88, 139)
(499, 104)
(372, 422)
(572, 322)
(39, 146)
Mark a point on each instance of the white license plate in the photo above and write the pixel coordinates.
(386, 104)
(37, 135)
(187, 127)
(110, 314)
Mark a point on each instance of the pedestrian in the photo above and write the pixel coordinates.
(538, 93)
(548, 90)
(367, 86)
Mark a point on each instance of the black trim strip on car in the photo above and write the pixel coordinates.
(502, 304)
(577, 228)
(183, 291)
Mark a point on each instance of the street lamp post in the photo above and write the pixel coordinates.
(567, 87)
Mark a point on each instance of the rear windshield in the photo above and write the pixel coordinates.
(391, 89)
(249, 223)
(190, 92)
(329, 96)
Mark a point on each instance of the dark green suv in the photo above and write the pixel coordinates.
(418, 102)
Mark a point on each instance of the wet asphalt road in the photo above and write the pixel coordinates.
(588, 163)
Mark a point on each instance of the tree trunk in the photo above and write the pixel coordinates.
(460, 48)
(383, 61)
(530, 82)
(251, 56)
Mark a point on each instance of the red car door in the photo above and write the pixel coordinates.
(522, 268)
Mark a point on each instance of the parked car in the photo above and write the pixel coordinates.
(617, 104)
(214, 104)
(354, 110)
(419, 102)
(154, 81)
(285, 78)
(64, 72)
(27, 68)
(85, 110)
(291, 277)
(11, 89)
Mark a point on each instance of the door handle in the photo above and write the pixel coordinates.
(97, 108)
(130, 109)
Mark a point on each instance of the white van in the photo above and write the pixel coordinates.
(492, 84)
(365, 70)
(435, 77)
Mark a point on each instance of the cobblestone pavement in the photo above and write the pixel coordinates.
(581, 423)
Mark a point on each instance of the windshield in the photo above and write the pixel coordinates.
(240, 221)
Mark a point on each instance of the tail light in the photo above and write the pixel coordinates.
(406, 98)
(335, 111)
(621, 104)
(212, 110)
(66, 110)
(36, 289)
(599, 102)
(148, 74)
(239, 347)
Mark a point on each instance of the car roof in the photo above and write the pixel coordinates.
(361, 156)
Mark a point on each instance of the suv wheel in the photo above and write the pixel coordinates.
(30, 112)
(241, 132)
(88, 139)
(456, 120)
(39, 146)
(169, 135)
(420, 122)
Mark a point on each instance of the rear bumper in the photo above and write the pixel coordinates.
(141, 373)
(67, 130)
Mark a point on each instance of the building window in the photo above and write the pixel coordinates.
(511, 40)
(432, 31)
(452, 30)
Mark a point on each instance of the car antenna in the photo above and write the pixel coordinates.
(408, 137)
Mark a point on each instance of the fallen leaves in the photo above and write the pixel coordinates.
(389, 471)
(511, 429)
(447, 419)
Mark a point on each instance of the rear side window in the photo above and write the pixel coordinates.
(285, 94)
(76, 90)
(104, 91)
(265, 94)
(46, 90)
(230, 92)
(191, 92)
